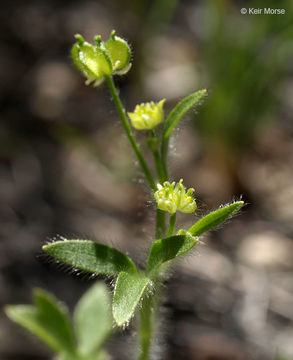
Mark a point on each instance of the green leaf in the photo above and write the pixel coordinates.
(93, 319)
(90, 256)
(128, 292)
(180, 110)
(48, 320)
(215, 218)
(169, 248)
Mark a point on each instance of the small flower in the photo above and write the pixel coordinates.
(173, 197)
(100, 59)
(147, 116)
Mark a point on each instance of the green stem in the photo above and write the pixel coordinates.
(159, 168)
(172, 224)
(164, 155)
(158, 161)
(128, 130)
(160, 224)
(146, 327)
(160, 215)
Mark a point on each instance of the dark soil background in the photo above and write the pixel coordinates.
(66, 167)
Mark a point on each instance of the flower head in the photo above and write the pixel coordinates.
(99, 59)
(173, 197)
(147, 116)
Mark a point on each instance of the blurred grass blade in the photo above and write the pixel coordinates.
(93, 319)
(48, 320)
(90, 256)
(281, 356)
(169, 248)
(128, 292)
(180, 110)
(215, 218)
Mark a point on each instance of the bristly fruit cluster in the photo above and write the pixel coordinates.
(101, 58)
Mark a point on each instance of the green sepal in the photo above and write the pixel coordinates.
(118, 51)
(92, 60)
(180, 110)
(90, 256)
(95, 60)
(75, 56)
(48, 320)
(129, 290)
(215, 218)
(168, 249)
(93, 319)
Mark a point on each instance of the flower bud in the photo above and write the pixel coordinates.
(147, 116)
(173, 197)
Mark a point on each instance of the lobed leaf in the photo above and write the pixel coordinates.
(180, 110)
(93, 319)
(128, 292)
(90, 256)
(215, 218)
(169, 248)
(48, 320)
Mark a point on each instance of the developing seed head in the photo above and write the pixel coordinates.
(147, 116)
(119, 53)
(174, 197)
(99, 59)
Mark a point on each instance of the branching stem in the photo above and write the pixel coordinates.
(160, 215)
(146, 324)
(129, 133)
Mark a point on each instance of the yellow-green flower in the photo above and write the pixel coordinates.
(174, 197)
(147, 116)
(99, 59)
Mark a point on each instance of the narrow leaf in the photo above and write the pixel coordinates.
(93, 318)
(215, 218)
(180, 110)
(169, 248)
(128, 292)
(90, 256)
(48, 320)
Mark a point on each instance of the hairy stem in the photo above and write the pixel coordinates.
(158, 161)
(164, 155)
(159, 167)
(129, 133)
(172, 224)
(160, 224)
(146, 327)
(160, 215)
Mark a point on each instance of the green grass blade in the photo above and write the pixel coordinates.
(180, 110)
(48, 320)
(90, 256)
(128, 292)
(215, 218)
(169, 248)
(93, 319)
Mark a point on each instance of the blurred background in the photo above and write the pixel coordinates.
(66, 167)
